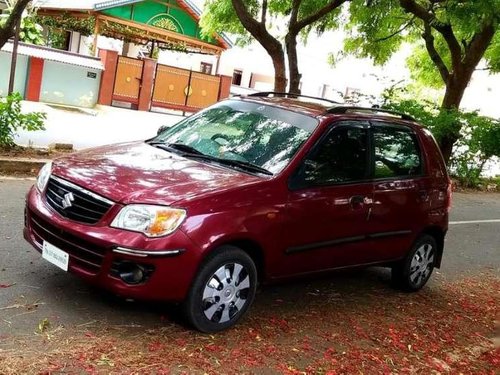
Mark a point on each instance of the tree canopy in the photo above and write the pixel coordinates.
(444, 32)
(450, 38)
(276, 25)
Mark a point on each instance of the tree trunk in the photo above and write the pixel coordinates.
(278, 58)
(7, 30)
(272, 45)
(279, 71)
(446, 145)
(455, 89)
(293, 68)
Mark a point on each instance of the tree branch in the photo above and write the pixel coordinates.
(257, 29)
(272, 45)
(295, 13)
(478, 45)
(444, 29)
(318, 15)
(433, 53)
(7, 31)
(264, 12)
(396, 32)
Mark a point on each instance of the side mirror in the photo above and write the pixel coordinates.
(161, 129)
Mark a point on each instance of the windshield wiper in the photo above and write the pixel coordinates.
(235, 163)
(246, 165)
(176, 147)
(184, 148)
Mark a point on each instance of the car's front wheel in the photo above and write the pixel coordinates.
(414, 271)
(222, 291)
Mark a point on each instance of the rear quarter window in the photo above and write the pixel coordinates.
(397, 152)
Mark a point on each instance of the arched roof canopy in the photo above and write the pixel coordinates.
(171, 23)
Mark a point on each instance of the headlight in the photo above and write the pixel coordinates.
(43, 176)
(153, 221)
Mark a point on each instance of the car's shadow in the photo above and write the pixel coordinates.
(70, 302)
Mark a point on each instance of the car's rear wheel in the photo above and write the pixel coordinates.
(222, 291)
(414, 271)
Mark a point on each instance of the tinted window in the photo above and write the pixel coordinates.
(341, 157)
(396, 152)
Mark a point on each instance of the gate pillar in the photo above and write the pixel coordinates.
(148, 77)
(225, 87)
(109, 60)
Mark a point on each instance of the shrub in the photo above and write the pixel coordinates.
(478, 136)
(12, 119)
(479, 144)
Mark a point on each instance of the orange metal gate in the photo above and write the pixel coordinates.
(204, 90)
(170, 86)
(182, 89)
(128, 80)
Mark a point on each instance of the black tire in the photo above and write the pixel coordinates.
(412, 278)
(230, 297)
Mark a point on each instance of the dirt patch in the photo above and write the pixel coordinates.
(18, 161)
(447, 329)
(16, 151)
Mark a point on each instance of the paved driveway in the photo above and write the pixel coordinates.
(90, 128)
(40, 290)
(347, 322)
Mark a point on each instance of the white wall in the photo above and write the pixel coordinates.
(84, 44)
(187, 60)
(21, 73)
(252, 59)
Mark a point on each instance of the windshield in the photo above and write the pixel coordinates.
(251, 133)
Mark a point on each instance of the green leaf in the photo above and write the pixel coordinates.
(12, 119)
(378, 30)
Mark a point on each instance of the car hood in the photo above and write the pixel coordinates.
(140, 173)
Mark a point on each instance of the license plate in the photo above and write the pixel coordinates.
(55, 256)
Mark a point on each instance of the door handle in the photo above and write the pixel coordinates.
(357, 201)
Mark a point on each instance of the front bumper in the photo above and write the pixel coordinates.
(94, 251)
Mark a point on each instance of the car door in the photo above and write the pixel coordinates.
(400, 190)
(328, 203)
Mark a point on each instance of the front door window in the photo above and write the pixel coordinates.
(341, 157)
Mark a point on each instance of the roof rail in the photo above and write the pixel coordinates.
(291, 95)
(345, 109)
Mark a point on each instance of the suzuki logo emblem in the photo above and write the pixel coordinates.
(67, 200)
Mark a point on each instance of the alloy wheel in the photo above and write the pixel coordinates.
(226, 293)
(422, 264)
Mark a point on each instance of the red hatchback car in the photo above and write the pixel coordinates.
(252, 189)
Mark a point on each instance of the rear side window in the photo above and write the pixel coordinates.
(397, 153)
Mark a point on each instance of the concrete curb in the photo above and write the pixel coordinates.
(20, 166)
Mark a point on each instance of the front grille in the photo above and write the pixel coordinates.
(86, 207)
(84, 254)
